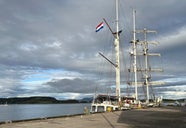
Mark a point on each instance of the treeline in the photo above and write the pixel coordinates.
(38, 100)
(173, 100)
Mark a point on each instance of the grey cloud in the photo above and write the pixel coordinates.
(60, 34)
(76, 85)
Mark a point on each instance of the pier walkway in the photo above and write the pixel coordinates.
(171, 117)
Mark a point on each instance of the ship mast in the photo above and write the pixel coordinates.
(117, 56)
(147, 69)
(116, 44)
(134, 54)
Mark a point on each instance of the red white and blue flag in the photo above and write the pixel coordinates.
(99, 27)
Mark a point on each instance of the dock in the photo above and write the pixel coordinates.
(160, 117)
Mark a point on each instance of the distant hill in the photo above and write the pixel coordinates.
(86, 100)
(172, 100)
(52, 100)
(36, 100)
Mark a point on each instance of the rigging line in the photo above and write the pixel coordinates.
(102, 72)
(153, 94)
(152, 91)
(140, 67)
(111, 72)
(102, 66)
(129, 76)
(124, 9)
(124, 65)
(149, 76)
(140, 74)
(125, 23)
(109, 75)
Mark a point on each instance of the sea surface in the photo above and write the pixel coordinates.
(32, 111)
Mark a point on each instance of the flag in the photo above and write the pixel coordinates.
(99, 27)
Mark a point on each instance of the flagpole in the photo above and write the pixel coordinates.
(108, 26)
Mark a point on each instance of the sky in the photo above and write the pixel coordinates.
(50, 47)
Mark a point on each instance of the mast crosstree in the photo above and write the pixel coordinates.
(146, 70)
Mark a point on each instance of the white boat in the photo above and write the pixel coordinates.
(6, 104)
(103, 103)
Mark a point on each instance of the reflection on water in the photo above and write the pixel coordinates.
(30, 111)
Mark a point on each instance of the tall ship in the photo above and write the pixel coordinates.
(107, 102)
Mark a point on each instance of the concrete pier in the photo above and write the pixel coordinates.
(164, 117)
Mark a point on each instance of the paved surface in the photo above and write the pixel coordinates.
(141, 118)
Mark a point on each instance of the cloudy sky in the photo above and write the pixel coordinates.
(50, 47)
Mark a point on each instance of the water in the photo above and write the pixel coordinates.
(31, 111)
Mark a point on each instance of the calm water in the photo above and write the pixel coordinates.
(30, 111)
